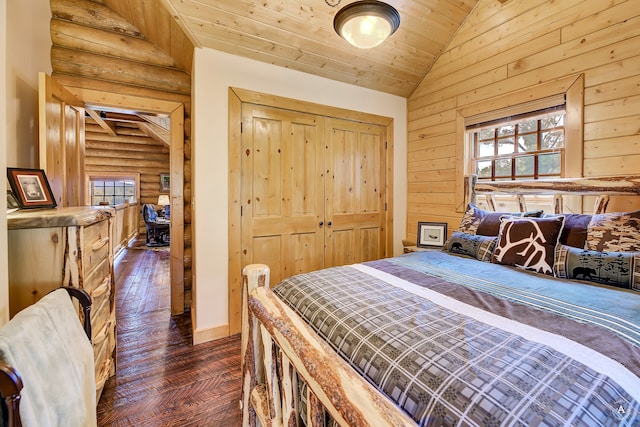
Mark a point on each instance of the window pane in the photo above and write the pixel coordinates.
(527, 143)
(505, 146)
(503, 167)
(112, 191)
(528, 126)
(552, 121)
(520, 147)
(525, 165)
(553, 139)
(486, 134)
(483, 169)
(485, 149)
(506, 130)
(549, 164)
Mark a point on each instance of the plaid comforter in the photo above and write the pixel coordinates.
(451, 348)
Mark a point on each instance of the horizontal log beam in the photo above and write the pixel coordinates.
(83, 38)
(92, 13)
(117, 70)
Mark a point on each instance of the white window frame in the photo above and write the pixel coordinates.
(111, 176)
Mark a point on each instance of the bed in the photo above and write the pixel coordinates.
(523, 318)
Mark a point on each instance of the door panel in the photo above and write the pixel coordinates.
(354, 204)
(62, 142)
(282, 193)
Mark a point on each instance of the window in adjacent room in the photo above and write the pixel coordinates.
(529, 145)
(113, 189)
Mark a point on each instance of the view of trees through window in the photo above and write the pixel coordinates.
(112, 191)
(520, 148)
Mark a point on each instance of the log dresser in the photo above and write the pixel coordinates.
(69, 246)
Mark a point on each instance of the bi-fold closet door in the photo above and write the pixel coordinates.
(313, 190)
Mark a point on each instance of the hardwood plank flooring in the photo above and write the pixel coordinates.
(162, 379)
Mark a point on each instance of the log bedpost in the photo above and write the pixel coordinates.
(253, 276)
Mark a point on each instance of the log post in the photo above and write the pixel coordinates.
(253, 276)
(470, 190)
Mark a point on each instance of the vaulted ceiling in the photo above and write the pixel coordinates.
(298, 34)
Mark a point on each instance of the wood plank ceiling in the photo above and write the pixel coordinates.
(298, 34)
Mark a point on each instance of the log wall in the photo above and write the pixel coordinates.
(95, 48)
(130, 151)
(505, 47)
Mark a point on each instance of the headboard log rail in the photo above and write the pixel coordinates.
(602, 187)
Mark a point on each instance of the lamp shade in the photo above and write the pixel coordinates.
(366, 24)
(163, 200)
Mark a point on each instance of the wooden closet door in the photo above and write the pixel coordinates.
(282, 190)
(354, 192)
(62, 143)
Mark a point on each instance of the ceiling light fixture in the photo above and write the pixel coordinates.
(366, 24)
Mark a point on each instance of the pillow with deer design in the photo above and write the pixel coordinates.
(528, 243)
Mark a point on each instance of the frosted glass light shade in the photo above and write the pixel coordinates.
(366, 24)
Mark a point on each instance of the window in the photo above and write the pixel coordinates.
(113, 189)
(525, 146)
(507, 107)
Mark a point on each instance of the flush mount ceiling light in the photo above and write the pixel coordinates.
(366, 24)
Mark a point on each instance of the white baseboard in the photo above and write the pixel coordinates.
(208, 334)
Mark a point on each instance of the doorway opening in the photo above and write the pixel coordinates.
(173, 114)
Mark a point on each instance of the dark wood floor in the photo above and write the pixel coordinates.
(162, 379)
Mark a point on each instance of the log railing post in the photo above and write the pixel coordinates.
(253, 276)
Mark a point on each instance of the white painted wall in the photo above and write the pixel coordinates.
(4, 285)
(24, 51)
(213, 73)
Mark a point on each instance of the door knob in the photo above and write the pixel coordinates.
(329, 224)
(321, 223)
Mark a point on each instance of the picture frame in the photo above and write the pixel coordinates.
(31, 188)
(165, 182)
(431, 234)
(12, 203)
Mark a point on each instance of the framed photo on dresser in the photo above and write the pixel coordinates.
(31, 188)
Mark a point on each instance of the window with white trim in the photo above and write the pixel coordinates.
(113, 189)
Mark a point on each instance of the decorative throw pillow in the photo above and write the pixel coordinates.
(614, 232)
(528, 243)
(474, 216)
(471, 219)
(621, 269)
(490, 224)
(574, 232)
(475, 246)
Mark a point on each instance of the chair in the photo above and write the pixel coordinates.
(158, 230)
(46, 364)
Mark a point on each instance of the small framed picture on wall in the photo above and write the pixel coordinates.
(431, 234)
(165, 182)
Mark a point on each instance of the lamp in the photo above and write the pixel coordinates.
(366, 24)
(163, 200)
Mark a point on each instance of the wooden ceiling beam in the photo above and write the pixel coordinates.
(109, 128)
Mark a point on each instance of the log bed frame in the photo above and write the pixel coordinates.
(269, 399)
